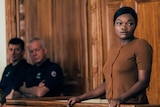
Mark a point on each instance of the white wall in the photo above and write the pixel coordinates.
(2, 37)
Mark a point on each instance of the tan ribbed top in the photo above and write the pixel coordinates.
(121, 68)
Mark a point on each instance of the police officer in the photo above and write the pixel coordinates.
(45, 78)
(14, 73)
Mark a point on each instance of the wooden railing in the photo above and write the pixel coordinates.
(62, 102)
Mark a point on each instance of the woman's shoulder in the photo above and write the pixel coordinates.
(142, 42)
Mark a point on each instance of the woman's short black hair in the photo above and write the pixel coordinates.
(126, 10)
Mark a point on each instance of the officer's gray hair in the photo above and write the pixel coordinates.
(37, 39)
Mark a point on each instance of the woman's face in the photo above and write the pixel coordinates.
(125, 26)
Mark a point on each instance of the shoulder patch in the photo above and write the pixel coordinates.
(53, 73)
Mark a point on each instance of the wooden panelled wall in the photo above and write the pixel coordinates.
(78, 34)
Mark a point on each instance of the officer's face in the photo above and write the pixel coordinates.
(15, 52)
(36, 51)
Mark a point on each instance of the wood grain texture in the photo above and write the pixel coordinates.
(52, 102)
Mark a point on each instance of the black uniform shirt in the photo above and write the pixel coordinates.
(50, 74)
(13, 76)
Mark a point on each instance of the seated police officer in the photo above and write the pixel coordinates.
(14, 73)
(45, 78)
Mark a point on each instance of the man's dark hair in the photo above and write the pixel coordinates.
(17, 41)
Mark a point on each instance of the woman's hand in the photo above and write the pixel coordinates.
(115, 102)
(73, 100)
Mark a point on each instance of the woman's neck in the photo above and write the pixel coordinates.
(126, 41)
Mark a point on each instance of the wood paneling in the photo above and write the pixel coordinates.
(148, 28)
(70, 42)
(95, 43)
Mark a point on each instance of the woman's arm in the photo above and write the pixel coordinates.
(99, 91)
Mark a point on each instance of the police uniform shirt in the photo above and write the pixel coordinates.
(13, 76)
(50, 74)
